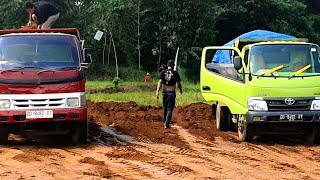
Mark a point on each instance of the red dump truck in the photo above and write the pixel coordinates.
(42, 83)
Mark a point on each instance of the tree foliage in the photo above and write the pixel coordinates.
(147, 33)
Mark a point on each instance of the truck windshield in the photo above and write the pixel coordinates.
(42, 51)
(264, 60)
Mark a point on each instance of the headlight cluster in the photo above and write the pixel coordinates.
(73, 102)
(315, 105)
(83, 100)
(255, 104)
(76, 101)
(5, 104)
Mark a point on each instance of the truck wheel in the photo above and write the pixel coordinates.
(213, 110)
(74, 135)
(222, 117)
(243, 131)
(232, 126)
(4, 134)
(84, 129)
(313, 135)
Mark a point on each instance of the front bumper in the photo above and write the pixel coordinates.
(271, 123)
(274, 117)
(59, 115)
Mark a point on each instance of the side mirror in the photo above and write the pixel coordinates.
(87, 56)
(237, 62)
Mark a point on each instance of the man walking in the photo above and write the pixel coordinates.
(42, 13)
(167, 80)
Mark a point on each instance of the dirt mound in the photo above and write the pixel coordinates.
(90, 160)
(145, 122)
(198, 120)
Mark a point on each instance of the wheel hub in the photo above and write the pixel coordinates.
(240, 126)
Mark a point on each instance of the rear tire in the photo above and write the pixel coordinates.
(222, 117)
(232, 126)
(213, 110)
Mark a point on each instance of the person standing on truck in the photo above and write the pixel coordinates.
(168, 79)
(43, 13)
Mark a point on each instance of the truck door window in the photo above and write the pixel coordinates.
(223, 66)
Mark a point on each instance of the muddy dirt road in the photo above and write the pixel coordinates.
(128, 141)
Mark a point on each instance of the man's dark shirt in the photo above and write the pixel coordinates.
(44, 10)
(169, 77)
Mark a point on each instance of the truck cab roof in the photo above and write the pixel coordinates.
(71, 31)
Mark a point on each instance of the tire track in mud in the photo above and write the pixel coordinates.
(254, 161)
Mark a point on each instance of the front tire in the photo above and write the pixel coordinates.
(313, 135)
(84, 130)
(74, 135)
(244, 133)
(4, 135)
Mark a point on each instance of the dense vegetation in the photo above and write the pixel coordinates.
(146, 33)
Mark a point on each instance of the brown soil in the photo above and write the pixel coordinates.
(128, 141)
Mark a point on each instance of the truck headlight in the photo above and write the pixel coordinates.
(73, 102)
(315, 105)
(83, 100)
(257, 105)
(5, 104)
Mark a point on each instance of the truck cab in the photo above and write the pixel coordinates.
(42, 83)
(270, 87)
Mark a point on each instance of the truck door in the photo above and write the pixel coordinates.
(220, 81)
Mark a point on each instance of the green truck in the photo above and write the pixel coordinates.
(271, 86)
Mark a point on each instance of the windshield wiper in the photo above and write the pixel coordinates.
(9, 70)
(297, 73)
(57, 69)
(27, 67)
(17, 69)
(67, 68)
(268, 73)
(47, 70)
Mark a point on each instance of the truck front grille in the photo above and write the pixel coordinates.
(278, 104)
(38, 103)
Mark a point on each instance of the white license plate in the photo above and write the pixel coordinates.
(291, 117)
(39, 114)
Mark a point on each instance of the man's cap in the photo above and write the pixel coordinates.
(28, 5)
(170, 63)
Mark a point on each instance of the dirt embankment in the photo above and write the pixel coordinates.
(128, 141)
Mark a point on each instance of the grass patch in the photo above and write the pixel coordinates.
(104, 84)
(145, 98)
(191, 94)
